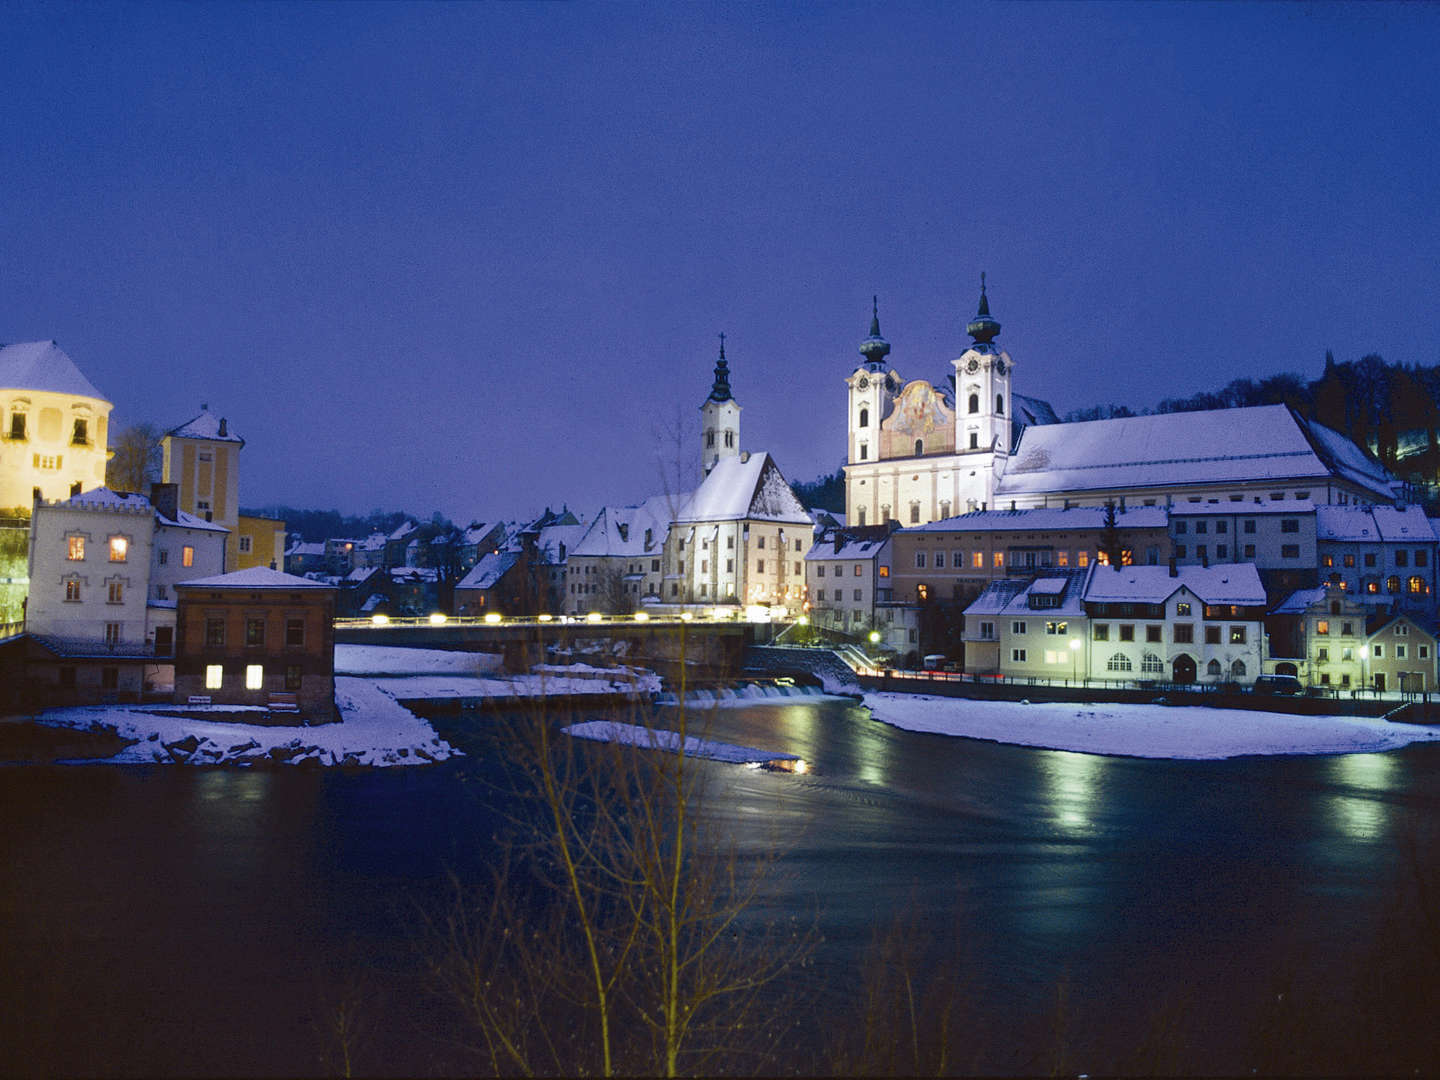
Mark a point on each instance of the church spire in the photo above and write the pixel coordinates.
(720, 391)
(875, 348)
(983, 328)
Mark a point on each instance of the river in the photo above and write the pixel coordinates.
(1089, 913)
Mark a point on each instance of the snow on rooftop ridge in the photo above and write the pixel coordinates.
(102, 498)
(43, 366)
(746, 486)
(206, 426)
(1230, 583)
(254, 577)
(486, 573)
(1046, 518)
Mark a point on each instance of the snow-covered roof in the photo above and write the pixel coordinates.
(853, 546)
(486, 573)
(1361, 524)
(555, 542)
(621, 530)
(1292, 508)
(302, 549)
(254, 577)
(43, 365)
(747, 486)
(1045, 519)
(404, 529)
(1231, 583)
(102, 498)
(1265, 443)
(1012, 595)
(1030, 411)
(996, 597)
(184, 520)
(374, 542)
(1299, 601)
(360, 574)
(206, 426)
(1048, 586)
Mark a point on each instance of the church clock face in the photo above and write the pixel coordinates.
(863, 384)
(1000, 367)
(973, 366)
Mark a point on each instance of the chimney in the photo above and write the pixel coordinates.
(1173, 571)
(165, 498)
(223, 432)
(839, 541)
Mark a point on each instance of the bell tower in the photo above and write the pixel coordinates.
(719, 418)
(982, 405)
(872, 388)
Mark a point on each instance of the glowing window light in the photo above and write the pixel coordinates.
(214, 676)
(254, 676)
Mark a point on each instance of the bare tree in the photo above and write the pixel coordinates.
(136, 461)
(617, 934)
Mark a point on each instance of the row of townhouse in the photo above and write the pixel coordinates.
(1387, 554)
(1121, 624)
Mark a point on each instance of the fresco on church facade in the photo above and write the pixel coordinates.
(919, 414)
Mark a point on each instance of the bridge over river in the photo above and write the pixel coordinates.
(707, 644)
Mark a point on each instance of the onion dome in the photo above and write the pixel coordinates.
(720, 391)
(875, 348)
(983, 328)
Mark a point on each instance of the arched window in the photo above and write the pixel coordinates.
(729, 438)
(1417, 586)
(710, 438)
(1237, 669)
(974, 403)
(999, 404)
(1392, 583)
(864, 417)
(919, 447)
(1213, 668)
(1151, 665)
(1118, 662)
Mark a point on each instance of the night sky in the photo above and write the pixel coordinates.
(475, 258)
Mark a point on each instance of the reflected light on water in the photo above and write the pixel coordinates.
(1362, 813)
(1071, 781)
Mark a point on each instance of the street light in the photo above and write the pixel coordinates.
(1074, 659)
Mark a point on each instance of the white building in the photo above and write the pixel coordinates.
(53, 442)
(920, 452)
(847, 573)
(101, 609)
(618, 564)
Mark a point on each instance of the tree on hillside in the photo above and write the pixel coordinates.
(823, 493)
(136, 460)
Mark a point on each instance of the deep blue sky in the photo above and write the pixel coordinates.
(474, 258)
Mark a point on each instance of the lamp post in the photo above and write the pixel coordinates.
(1074, 658)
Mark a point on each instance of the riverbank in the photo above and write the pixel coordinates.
(1146, 731)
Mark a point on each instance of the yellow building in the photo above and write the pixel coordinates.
(55, 426)
(261, 542)
(202, 457)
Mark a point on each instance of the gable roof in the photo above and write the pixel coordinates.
(1362, 524)
(1231, 583)
(747, 486)
(43, 365)
(254, 577)
(486, 573)
(1264, 443)
(205, 426)
(620, 530)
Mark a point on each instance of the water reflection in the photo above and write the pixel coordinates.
(1362, 812)
(1071, 781)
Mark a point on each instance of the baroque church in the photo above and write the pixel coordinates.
(919, 452)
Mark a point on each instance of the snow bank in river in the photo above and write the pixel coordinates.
(659, 739)
(397, 660)
(375, 729)
(1156, 731)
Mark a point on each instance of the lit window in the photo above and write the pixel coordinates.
(214, 676)
(115, 593)
(72, 589)
(119, 549)
(254, 676)
(1323, 626)
(885, 571)
(1417, 586)
(1082, 559)
(75, 548)
(999, 559)
(1237, 635)
(977, 560)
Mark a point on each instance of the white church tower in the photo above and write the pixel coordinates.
(872, 390)
(982, 409)
(719, 418)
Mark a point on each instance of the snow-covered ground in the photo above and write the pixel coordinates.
(374, 730)
(1154, 731)
(659, 739)
(395, 660)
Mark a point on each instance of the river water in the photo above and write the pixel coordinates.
(1089, 913)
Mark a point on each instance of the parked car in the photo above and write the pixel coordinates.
(1278, 684)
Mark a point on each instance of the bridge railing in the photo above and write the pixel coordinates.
(390, 622)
